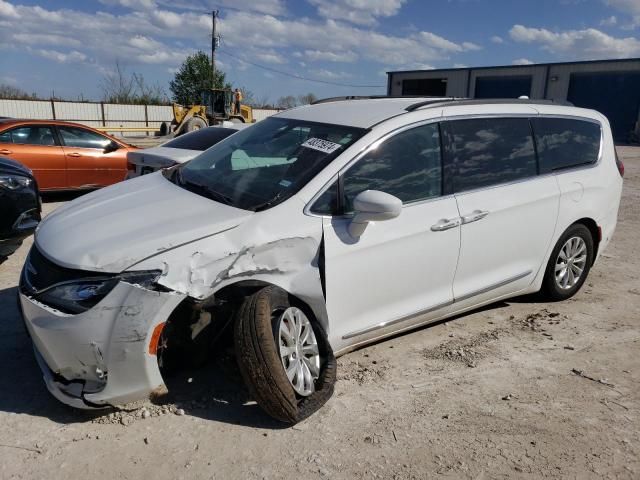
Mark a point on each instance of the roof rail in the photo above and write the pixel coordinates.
(486, 101)
(371, 97)
(433, 101)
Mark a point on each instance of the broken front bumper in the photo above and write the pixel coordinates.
(101, 357)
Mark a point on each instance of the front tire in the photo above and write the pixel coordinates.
(293, 394)
(569, 263)
(195, 123)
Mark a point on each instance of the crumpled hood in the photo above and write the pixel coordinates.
(114, 228)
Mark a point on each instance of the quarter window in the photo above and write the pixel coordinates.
(407, 165)
(81, 138)
(32, 135)
(564, 143)
(490, 151)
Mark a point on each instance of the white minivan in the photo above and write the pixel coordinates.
(311, 233)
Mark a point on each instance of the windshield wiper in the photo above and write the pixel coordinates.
(268, 203)
(208, 192)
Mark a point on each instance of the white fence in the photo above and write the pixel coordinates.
(98, 114)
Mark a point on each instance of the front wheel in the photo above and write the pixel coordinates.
(569, 263)
(283, 355)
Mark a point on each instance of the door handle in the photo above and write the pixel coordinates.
(73, 154)
(4, 151)
(474, 216)
(446, 224)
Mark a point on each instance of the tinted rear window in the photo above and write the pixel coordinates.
(489, 151)
(564, 143)
(200, 139)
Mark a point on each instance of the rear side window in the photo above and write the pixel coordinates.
(565, 143)
(407, 165)
(200, 139)
(32, 135)
(489, 151)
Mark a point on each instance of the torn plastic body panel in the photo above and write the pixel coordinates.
(268, 249)
(100, 357)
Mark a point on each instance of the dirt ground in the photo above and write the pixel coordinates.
(521, 389)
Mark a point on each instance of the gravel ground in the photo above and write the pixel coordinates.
(519, 389)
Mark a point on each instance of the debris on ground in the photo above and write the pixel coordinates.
(537, 321)
(361, 372)
(468, 351)
(602, 381)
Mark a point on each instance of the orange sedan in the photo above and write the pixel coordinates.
(64, 155)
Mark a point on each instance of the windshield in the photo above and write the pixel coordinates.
(265, 164)
(200, 139)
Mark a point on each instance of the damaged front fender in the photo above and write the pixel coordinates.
(202, 268)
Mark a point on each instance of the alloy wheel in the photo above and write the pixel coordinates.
(298, 349)
(570, 263)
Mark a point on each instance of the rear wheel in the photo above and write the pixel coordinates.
(569, 263)
(283, 355)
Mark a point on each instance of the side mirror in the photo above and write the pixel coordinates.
(111, 147)
(372, 206)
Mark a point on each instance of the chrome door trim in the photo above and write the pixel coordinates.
(395, 321)
(405, 318)
(494, 286)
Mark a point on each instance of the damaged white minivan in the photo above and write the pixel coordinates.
(313, 232)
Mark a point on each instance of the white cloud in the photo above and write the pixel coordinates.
(61, 57)
(8, 10)
(162, 57)
(630, 7)
(323, 55)
(145, 43)
(163, 36)
(360, 12)
(270, 57)
(269, 7)
(522, 61)
(497, 39)
(589, 43)
(133, 4)
(609, 22)
(329, 74)
(242, 28)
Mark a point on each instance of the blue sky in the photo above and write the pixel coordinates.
(66, 47)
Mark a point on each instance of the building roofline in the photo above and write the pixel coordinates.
(462, 69)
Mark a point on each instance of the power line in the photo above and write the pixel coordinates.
(299, 77)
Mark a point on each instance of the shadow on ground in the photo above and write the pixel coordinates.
(215, 392)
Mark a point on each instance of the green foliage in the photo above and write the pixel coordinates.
(195, 75)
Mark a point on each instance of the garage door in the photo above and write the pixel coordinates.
(430, 87)
(616, 95)
(503, 87)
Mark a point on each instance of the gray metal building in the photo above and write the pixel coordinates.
(609, 86)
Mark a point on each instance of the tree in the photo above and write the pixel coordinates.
(15, 93)
(195, 74)
(119, 87)
(306, 99)
(288, 101)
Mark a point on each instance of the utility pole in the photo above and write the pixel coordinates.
(214, 15)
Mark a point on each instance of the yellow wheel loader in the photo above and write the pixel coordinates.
(215, 108)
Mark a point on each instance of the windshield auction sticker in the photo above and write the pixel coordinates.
(321, 145)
